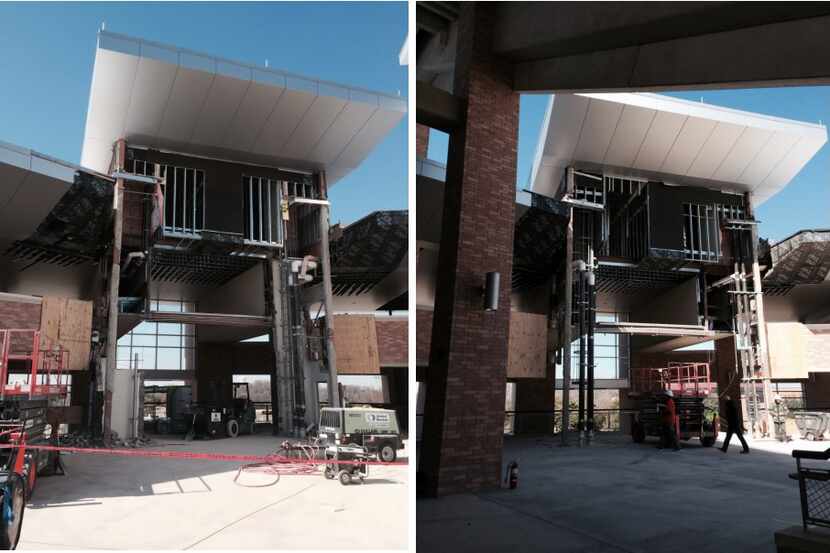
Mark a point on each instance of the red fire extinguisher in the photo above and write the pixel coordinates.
(511, 476)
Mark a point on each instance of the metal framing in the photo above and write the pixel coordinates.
(263, 209)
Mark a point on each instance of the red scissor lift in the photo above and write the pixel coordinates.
(23, 407)
(690, 384)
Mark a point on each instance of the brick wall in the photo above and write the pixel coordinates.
(421, 141)
(423, 336)
(464, 408)
(20, 314)
(392, 341)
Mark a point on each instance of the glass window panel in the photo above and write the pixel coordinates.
(189, 204)
(169, 187)
(124, 341)
(169, 359)
(180, 193)
(146, 357)
(189, 330)
(144, 340)
(123, 353)
(200, 200)
(276, 213)
(170, 306)
(145, 328)
(255, 188)
(170, 341)
(170, 328)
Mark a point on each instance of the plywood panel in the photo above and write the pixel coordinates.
(787, 343)
(356, 344)
(527, 353)
(68, 323)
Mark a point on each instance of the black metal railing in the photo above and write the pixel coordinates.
(814, 487)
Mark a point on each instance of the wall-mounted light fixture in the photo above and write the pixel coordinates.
(491, 291)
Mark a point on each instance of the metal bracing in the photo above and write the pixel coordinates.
(749, 326)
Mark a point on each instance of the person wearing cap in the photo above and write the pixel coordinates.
(734, 424)
(668, 418)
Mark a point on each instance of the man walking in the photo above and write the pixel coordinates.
(734, 424)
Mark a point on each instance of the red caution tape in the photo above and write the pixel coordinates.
(272, 459)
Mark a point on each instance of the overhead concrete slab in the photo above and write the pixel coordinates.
(169, 98)
(666, 139)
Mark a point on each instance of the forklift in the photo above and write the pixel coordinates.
(217, 419)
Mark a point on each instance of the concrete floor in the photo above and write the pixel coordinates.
(620, 497)
(146, 503)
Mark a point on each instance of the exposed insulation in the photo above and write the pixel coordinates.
(356, 344)
(527, 346)
(69, 323)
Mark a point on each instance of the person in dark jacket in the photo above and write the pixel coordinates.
(668, 422)
(733, 422)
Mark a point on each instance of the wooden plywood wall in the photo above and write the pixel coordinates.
(68, 323)
(527, 353)
(787, 344)
(356, 344)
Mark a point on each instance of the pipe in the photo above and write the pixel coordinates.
(592, 312)
(580, 305)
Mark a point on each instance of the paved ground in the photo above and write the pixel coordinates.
(619, 497)
(139, 503)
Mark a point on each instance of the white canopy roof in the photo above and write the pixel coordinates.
(174, 99)
(31, 184)
(671, 140)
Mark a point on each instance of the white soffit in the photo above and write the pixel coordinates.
(174, 99)
(671, 140)
(30, 186)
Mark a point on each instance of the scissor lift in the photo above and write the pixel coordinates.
(690, 384)
(23, 407)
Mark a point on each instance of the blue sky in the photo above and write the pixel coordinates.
(48, 52)
(804, 203)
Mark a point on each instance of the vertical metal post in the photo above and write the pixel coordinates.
(114, 278)
(325, 263)
(760, 319)
(566, 329)
(580, 305)
(592, 312)
(281, 404)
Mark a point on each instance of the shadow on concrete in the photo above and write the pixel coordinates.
(617, 496)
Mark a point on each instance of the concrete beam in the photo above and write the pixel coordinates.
(537, 30)
(791, 53)
(437, 108)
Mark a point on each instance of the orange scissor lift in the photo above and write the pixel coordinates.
(690, 384)
(39, 363)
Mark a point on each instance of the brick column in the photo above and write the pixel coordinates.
(464, 408)
(421, 141)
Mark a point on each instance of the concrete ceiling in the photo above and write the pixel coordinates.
(169, 98)
(671, 140)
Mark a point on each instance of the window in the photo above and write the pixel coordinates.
(184, 195)
(701, 232)
(160, 346)
(262, 210)
(611, 358)
(303, 188)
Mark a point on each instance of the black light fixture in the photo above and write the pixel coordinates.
(491, 291)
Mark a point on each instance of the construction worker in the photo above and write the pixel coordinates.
(668, 422)
(734, 424)
(780, 419)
